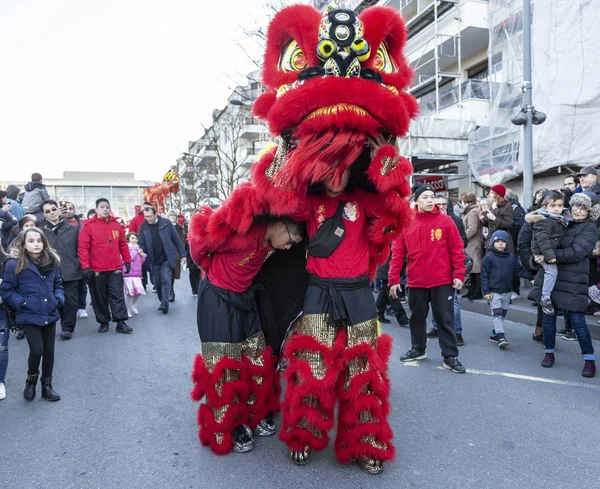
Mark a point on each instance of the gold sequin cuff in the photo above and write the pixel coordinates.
(365, 332)
(317, 326)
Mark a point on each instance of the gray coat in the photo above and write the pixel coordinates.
(474, 234)
(64, 239)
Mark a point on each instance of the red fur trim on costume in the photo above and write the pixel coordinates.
(266, 394)
(262, 105)
(355, 400)
(395, 177)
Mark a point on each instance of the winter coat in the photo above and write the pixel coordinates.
(504, 220)
(518, 219)
(174, 249)
(434, 248)
(35, 194)
(135, 223)
(524, 249)
(65, 240)
(15, 209)
(137, 263)
(458, 221)
(102, 244)
(7, 223)
(35, 297)
(573, 259)
(181, 234)
(497, 271)
(474, 235)
(547, 234)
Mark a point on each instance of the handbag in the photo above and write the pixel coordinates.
(329, 235)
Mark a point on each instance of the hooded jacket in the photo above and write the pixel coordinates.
(547, 233)
(137, 263)
(434, 248)
(102, 244)
(35, 194)
(498, 267)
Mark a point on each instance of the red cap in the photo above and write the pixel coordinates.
(499, 189)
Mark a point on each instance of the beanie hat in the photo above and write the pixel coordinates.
(499, 189)
(419, 188)
(499, 236)
(584, 200)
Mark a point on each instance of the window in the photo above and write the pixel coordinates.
(479, 72)
(93, 193)
(73, 195)
(124, 200)
(254, 86)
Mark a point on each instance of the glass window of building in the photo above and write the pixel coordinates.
(73, 195)
(124, 200)
(93, 193)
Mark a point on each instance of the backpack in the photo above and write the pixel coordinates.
(32, 201)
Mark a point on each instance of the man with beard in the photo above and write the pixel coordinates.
(63, 238)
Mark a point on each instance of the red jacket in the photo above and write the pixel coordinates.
(434, 248)
(102, 244)
(135, 223)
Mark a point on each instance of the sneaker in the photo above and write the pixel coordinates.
(134, 310)
(562, 332)
(459, 339)
(164, 309)
(265, 428)
(3, 390)
(82, 314)
(103, 328)
(547, 306)
(66, 335)
(589, 370)
(539, 338)
(502, 341)
(403, 300)
(570, 336)
(123, 328)
(493, 338)
(20, 334)
(433, 333)
(597, 313)
(452, 363)
(382, 319)
(413, 355)
(129, 315)
(548, 360)
(514, 296)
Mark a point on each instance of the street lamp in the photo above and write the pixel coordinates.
(239, 103)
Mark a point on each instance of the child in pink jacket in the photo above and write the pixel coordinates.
(132, 281)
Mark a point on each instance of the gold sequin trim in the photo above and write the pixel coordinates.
(220, 413)
(315, 361)
(388, 164)
(219, 438)
(279, 160)
(365, 332)
(254, 347)
(371, 440)
(317, 326)
(213, 352)
(304, 424)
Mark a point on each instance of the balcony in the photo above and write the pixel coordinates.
(248, 156)
(252, 128)
(474, 102)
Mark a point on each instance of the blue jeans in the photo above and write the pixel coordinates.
(577, 321)
(4, 335)
(457, 320)
(162, 281)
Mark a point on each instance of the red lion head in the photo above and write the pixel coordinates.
(333, 80)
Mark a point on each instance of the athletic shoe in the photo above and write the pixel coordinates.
(403, 300)
(2, 391)
(452, 363)
(493, 337)
(134, 310)
(502, 342)
(433, 333)
(514, 296)
(589, 370)
(164, 309)
(82, 314)
(562, 332)
(459, 339)
(548, 360)
(570, 336)
(547, 306)
(123, 328)
(413, 355)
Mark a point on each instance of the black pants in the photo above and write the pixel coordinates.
(41, 347)
(384, 299)
(108, 297)
(194, 276)
(474, 292)
(82, 293)
(442, 307)
(68, 312)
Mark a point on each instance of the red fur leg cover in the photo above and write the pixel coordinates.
(363, 427)
(309, 399)
(221, 412)
(264, 386)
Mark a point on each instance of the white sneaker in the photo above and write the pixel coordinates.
(134, 310)
(130, 315)
(2, 391)
(514, 296)
(82, 314)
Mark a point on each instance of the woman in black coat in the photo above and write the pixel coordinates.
(571, 290)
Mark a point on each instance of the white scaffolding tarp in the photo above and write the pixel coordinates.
(429, 136)
(566, 86)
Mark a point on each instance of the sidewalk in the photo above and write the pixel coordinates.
(522, 311)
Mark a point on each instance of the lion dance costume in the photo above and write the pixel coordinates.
(333, 82)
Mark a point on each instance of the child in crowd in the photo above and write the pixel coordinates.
(4, 331)
(497, 271)
(132, 281)
(549, 224)
(32, 285)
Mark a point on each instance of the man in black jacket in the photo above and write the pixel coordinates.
(518, 221)
(588, 178)
(64, 237)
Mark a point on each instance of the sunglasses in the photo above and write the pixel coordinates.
(48, 211)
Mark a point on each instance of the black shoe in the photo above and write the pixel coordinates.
(164, 308)
(47, 391)
(172, 297)
(537, 338)
(493, 337)
(20, 334)
(459, 339)
(29, 391)
(452, 363)
(570, 336)
(502, 341)
(413, 355)
(103, 328)
(66, 335)
(123, 328)
(562, 332)
(547, 307)
(433, 333)
(403, 322)
(382, 319)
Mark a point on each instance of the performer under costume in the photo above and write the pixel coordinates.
(335, 95)
(236, 370)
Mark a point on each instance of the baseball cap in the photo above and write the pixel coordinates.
(587, 170)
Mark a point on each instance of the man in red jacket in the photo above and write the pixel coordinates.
(436, 267)
(102, 251)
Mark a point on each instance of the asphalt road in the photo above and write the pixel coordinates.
(125, 419)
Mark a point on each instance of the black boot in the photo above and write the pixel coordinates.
(47, 391)
(382, 318)
(123, 328)
(29, 392)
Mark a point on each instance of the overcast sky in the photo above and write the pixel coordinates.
(113, 85)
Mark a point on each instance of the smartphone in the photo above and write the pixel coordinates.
(63, 203)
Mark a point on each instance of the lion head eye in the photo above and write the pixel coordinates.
(382, 60)
(292, 58)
